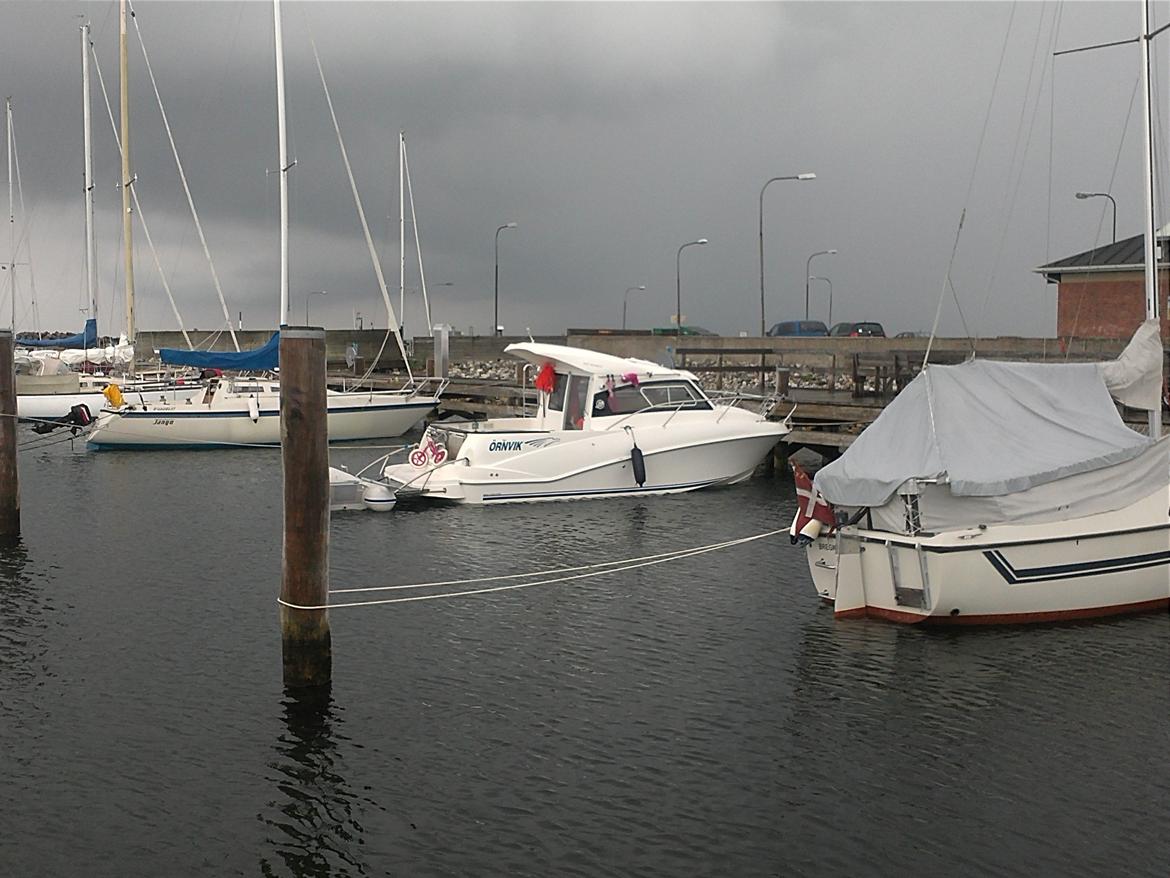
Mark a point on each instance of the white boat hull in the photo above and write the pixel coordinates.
(198, 425)
(1100, 565)
(567, 465)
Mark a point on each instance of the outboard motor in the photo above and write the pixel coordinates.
(79, 416)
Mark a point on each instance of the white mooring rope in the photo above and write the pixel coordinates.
(613, 567)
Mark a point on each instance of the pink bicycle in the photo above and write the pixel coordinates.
(430, 450)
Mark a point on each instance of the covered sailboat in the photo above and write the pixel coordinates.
(87, 338)
(1003, 492)
(261, 359)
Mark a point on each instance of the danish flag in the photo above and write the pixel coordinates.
(814, 515)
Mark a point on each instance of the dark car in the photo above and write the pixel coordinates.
(857, 330)
(799, 327)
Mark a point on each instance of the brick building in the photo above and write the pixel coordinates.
(1101, 293)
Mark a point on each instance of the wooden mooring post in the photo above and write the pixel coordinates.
(306, 644)
(9, 483)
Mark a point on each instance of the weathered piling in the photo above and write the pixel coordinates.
(305, 640)
(9, 484)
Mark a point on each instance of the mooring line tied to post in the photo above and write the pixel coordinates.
(550, 577)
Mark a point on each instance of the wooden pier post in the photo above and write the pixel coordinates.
(306, 644)
(9, 484)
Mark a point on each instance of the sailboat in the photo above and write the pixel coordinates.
(49, 385)
(245, 410)
(994, 492)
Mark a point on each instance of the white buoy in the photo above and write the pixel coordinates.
(378, 498)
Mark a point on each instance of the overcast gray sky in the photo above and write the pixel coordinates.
(611, 133)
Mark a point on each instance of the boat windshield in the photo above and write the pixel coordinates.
(628, 399)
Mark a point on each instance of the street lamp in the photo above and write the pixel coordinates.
(830, 283)
(1083, 195)
(496, 310)
(307, 295)
(678, 285)
(763, 323)
(807, 269)
(626, 300)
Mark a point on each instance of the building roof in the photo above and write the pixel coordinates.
(1127, 254)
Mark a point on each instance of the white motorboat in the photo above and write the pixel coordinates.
(246, 411)
(605, 426)
(1000, 493)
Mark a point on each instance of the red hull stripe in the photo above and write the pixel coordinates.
(1006, 618)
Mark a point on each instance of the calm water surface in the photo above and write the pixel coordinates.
(706, 717)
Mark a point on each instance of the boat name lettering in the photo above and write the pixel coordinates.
(503, 445)
(166, 422)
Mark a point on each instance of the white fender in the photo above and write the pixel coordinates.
(378, 498)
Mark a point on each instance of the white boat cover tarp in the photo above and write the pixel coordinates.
(1090, 493)
(1135, 378)
(988, 429)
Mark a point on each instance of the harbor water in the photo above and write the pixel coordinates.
(703, 717)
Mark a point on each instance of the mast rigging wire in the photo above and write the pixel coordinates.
(138, 207)
(183, 178)
(1023, 157)
(365, 226)
(947, 283)
(422, 278)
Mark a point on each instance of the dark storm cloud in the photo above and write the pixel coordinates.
(612, 133)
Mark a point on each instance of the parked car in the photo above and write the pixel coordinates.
(799, 327)
(912, 335)
(855, 330)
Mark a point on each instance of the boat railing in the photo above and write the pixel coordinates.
(433, 385)
(732, 399)
(672, 407)
(524, 388)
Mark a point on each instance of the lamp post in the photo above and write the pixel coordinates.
(307, 296)
(496, 310)
(830, 283)
(807, 269)
(678, 285)
(626, 300)
(763, 322)
(1084, 195)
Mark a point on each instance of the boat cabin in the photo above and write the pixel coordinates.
(589, 388)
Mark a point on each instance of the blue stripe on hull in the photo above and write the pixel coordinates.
(1027, 575)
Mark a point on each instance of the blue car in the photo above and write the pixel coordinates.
(799, 327)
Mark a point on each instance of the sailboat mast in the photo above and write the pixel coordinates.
(1151, 251)
(90, 268)
(401, 234)
(283, 158)
(127, 179)
(11, 216)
